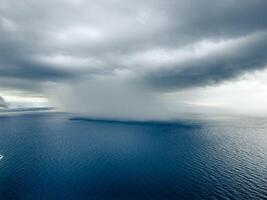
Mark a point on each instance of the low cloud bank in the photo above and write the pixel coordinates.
(3, 103)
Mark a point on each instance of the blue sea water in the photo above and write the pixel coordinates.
(50, 156)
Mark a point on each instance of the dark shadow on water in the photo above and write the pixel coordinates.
(177, 124)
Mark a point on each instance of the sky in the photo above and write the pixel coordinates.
(142, 59)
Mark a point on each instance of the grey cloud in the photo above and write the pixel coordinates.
(30, 71)
(112, 32)
(246, 55)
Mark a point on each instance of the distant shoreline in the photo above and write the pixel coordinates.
(35, 109)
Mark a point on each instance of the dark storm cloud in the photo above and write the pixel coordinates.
(33, 72)
(215, 67)
(61, 41)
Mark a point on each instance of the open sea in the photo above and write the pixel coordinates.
(55, 156)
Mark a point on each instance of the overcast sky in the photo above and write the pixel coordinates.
(138, 58)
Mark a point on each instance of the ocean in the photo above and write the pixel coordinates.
(55, 156)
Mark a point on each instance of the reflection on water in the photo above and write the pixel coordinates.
(48, 156)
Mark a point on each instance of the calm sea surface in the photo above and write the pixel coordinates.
(48, 156)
